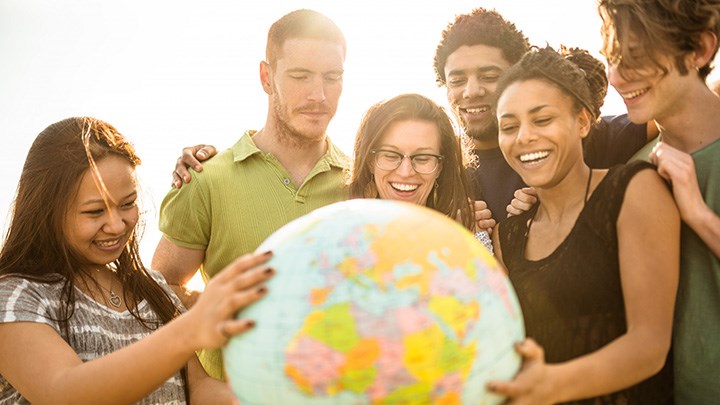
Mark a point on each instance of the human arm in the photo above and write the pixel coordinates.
(679, 169)
(191, 157)
(45, 370)
(205, 389)
(523, 200)
(648, 248)
(178, 265)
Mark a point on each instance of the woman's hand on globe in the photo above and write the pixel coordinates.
(212, 318)
(533, 384)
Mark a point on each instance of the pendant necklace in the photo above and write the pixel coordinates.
(115, 299)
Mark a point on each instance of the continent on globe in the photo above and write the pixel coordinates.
(377, 302)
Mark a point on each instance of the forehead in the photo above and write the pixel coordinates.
(412, 135)
(527, 95)
(118, 177)
(467, 59)
(311, 54)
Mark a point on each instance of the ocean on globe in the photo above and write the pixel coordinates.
(377, 302)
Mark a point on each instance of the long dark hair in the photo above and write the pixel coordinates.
(35, 247)
(452, 192)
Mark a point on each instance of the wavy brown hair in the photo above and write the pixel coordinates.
(452, 192)
(658, 27)
(35, 247)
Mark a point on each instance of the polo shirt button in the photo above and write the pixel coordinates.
(286, 182)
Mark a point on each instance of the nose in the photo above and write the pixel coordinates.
(405, 168)
(474, 88)
(525, 134)
(317, 91)
(615, 79)
(115, 223)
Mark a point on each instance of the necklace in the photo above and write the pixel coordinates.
(115, 299)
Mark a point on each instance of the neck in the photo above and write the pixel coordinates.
(485, 145)
(297, 156)
(566, 198)
(695, 123)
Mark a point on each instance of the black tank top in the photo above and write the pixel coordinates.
(572, 299)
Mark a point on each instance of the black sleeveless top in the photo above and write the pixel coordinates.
(572, 299)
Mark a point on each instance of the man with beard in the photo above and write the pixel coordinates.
(269, 177)
(475, 50)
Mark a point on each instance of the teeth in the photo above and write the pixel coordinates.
(477, 110)
(633, 94)
(404, 187)
(533, 156)
(107, 243)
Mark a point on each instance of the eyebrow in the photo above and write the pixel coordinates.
(532, 111)
(305, 70)
(100, 200)
(482, 69)
(396, 149)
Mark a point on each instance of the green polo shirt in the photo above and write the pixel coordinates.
(240, 198)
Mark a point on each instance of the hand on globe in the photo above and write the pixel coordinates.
(212, 319)
(531, 386)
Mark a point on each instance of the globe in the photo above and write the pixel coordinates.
(377, 302)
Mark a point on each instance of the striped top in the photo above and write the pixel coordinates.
(93, 331)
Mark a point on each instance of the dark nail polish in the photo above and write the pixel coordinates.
(269, 271)
(262, 290)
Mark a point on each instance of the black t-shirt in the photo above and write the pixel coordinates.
(612, 141)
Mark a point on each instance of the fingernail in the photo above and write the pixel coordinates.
(269, 271)
(250, 323)
(261, 290)
(267, 253)
(491, 387)
(176, 184)
(201, 153)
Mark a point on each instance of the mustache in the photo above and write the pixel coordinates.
(313, 108)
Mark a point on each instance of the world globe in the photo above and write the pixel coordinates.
(377, 302)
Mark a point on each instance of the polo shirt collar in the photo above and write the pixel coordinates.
(245, 147)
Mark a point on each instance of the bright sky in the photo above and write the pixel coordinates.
(169, 74)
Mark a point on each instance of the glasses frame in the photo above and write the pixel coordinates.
(411, 157)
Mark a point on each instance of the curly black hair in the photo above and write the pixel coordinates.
(479, 27)
(548, 65)
(594, 74)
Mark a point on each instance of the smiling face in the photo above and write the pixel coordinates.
(472, 74)
(408, 137)
(97, 232)
(305, 86)
(540, 131)
(648, 92)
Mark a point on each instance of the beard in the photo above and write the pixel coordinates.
(288, 133)
(488, 133)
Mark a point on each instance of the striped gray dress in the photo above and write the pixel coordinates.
(93, 331)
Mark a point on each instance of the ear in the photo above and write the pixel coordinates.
(585, 122)
(266, 77)
(708, 45)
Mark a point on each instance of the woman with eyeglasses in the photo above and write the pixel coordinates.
(406, 150)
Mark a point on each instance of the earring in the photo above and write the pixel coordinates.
(435, 194)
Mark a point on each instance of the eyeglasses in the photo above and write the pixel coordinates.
(423, 163)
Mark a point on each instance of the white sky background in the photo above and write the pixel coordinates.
(170, 74)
